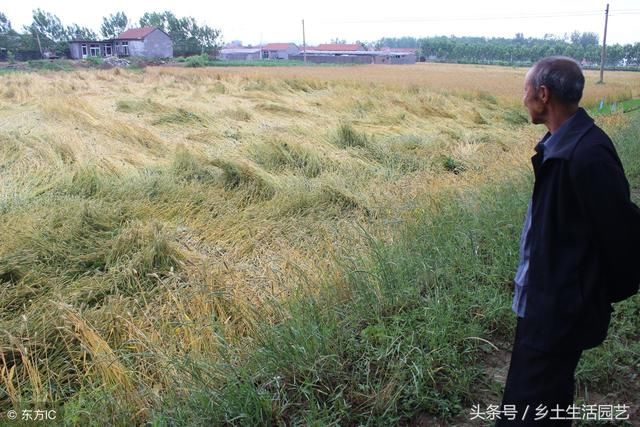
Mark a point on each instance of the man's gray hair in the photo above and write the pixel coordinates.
(562, 76)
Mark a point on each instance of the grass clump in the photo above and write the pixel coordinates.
(515, 116)
(341, 198)
(178, 117)
(305, 85)
(487, 98)
(450, 164)
(250, 180)
(86, 182)
(138, 106)
(72, 241)
(399, 154)
(144, 249)
(346, 136)
(94, 240)
(279, 156)
(190, 167)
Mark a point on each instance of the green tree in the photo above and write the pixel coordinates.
(47, 26)
(76, 32)
(49, 32)
(5, 24)
(113, 25)
(8, 38)
(589, 39)
(615, 55)
(584, 39)
(187, 36)
(209, 40)
(158, 20)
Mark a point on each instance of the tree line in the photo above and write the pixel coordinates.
(46, 35)
(584, 47)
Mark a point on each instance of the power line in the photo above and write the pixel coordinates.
(444, 18)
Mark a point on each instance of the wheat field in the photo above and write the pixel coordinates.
(138, 209)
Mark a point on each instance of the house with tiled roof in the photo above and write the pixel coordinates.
(339, 47)
(239, 53)
(356, 53)
(148, 42)
(400, 49)
(279, 50)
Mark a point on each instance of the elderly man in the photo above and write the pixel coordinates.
(578, 251)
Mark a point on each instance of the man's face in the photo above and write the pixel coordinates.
(532, 101)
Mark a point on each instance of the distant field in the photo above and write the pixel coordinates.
(151, 216)
(502, 82)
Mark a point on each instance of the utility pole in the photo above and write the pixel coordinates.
(39, 45)
(604, 45)
(304, 44)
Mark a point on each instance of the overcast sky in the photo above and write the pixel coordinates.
(256, 21)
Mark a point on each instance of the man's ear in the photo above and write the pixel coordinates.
(544, 94)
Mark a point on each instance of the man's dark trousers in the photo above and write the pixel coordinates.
(539, 382)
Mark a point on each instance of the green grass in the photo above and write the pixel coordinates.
(51, 65)
(403, 336)
(405, 333)
(626, 105)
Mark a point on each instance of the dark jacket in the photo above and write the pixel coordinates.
(585, 235)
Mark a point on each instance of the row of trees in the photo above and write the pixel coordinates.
(581, 46)
(46, 34)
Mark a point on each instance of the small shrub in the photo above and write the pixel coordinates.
(452, 165)
(137, 63)
(94, 61)
(197, 61)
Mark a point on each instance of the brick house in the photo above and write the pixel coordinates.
(279, 50)
(149, 42)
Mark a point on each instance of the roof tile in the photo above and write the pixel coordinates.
(136, 33)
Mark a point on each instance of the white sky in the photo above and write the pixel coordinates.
(256, 21)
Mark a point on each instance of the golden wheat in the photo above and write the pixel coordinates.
(144, 206)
